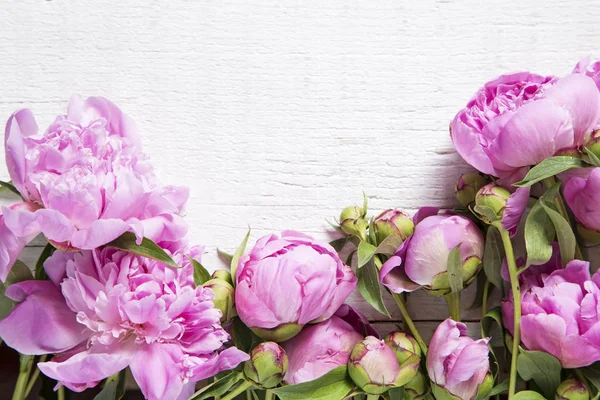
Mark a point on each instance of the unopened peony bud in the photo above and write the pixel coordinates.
(467, 187)
(223, 275)
(374, 368)
(393, 223)
(267, 365)
(572, 389)
(353, 221)
(403, 345)
(224, 298)
(416, 388)
(493, 197)
(593, 145)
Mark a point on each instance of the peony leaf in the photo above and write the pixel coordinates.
(368, 286)
(40, 273)
(334, 385)
(114, 388)
(224, 256)
(147, 248)
(365, 252)
(564, 232)
(237, 255)
(339, 244)
(539, 234)
(493, 255)
(201, 275)
(389, 245)
(550, 167)
(593, 159)
(493, 315)
(528, 395)
(9, 186)
(592, 374)
(219, 387)
(454, 265)
(499, 388)
(544, 369)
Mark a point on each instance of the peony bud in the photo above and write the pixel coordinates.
(593, 145)
(223, 275)
(416, 388)
(393, 222)
(267, 365)
(492, 197)
(467, 187)
(353, 221)
(403, 345)
(374, 368)
(224, 298)
(572, 389)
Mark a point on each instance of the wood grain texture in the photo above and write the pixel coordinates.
(278, 114)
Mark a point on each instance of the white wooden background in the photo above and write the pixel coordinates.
(279, 113)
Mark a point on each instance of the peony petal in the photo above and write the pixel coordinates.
(226, 360)
(89, 365)
(118, 122)
(466, 141)
(158, 370)
(19, 125)
(393, 276)
(515, 207)
(100, 233)
(41, 323)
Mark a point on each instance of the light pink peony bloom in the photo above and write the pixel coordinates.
(423, 257)
(590, 68)
(105, 310)
(518, 120)
(324, 346)
(560, 314)
(85, 181)
(456, 362)
(582, 194)
(288, 282)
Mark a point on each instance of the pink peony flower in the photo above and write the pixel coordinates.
(560, 314)
(520, 119)
(285, 283)
(457, 363)
(105, 310)
(590, 68)
(423, 258)
(324, 346)
(582, 194)
(85, 182)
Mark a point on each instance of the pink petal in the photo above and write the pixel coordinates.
(100, 233)
(42, 323)
(393, 276)
(19, 125)
(158, 370)
(515, 207)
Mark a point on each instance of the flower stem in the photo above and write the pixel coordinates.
(61, 393)
(26, 362)
(453, 300)
(486, 292)
(34, 376)
(409, 322)
(516, 294)
(237, 391)
(372, 397)
(269, 395)
(562, 209)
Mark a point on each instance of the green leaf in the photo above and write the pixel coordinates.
(365, 252)
(529, 395)
(478, 300)
(9, 186)
(339, 244)
(564, 232)
(492, 256)
(592, 374)
(243, 338)
(539, 234)
(550, 167)
(499, 388)
(201, 275)
(224, 256)
(18, 273)
(368, 286)
(334, 385)
(365, 204)
(114, 388)
(389, 245)
(593, 159)
(372, 235)
(454, 270)
(543, 368)
(147, 248)
(237, 255)
(40, 273)
(493, 315)
(485, 213)
(219, 387)
(397, 393)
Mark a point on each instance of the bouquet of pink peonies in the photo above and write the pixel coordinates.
(120, 288)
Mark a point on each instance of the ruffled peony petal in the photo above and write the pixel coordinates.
(89, 365)
(20, 124)
(118, 121)
(205, 367)
(11, 245)
(393, 276)
(157, 369)
(41, 323)
(101, 232)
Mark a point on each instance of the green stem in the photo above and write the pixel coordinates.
(562, 209)
(516, 294)
(486, 292)
(34, 376)
(61, 393)
(269, 395)
(409, 322)
(237, 391)
(372, 397)
(26, 362)
(249, 395)
(453, 300)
